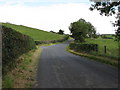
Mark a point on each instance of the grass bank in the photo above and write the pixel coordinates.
(36, 34)
(105, 60)
(23, 76)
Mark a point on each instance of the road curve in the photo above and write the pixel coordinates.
(58, 68)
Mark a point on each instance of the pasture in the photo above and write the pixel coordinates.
(111, 47)
(36, 34)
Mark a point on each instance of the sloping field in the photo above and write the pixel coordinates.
(36, 34)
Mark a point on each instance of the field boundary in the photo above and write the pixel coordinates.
(96, 58)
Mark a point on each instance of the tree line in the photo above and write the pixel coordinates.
(59, 32)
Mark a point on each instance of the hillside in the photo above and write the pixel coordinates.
(36, 34)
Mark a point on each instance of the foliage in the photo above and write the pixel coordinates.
(36, 34)
(111, 44)
(106, 37)
(8, 81)
(83, 47)
(24, 72)
(96, 58)
(61, 32)
(52, 31)
(109, 8)
(81, 29)
(14, 44)
(52, 41)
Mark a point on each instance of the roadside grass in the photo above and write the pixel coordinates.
(8, 81)
(112, 52)
(105, 60)
(23, 76)
(36, 34)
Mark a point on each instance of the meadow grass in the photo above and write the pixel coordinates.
(36, 34)
(111, 44)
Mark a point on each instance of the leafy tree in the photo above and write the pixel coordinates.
(108, 9)
(91, 31)
(61, 32)
(81, 29)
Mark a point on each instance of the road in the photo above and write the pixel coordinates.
(58, 68)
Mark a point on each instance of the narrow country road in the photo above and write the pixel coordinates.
(61, 69)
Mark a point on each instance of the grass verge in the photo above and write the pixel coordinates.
(23, 76)
(97, 58)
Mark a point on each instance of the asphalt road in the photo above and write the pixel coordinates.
(60, 69)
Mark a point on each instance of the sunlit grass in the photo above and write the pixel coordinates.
(111, 44)
(36, 34)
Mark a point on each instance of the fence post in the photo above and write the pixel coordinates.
(96, 48)
(105, 49)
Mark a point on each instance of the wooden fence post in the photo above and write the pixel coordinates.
(105, 49)
(96, 47)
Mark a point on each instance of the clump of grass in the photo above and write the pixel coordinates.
(28, 85)
(8, 81)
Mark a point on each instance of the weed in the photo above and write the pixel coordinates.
(8, 81)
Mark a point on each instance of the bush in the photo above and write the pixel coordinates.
(52, 41)
(14, 44)
(83, 47)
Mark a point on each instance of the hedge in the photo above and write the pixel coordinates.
(52, 41)
(14, 44)
(83, 47)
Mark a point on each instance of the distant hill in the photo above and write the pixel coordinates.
(36, 34)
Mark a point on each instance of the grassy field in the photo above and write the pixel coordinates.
(111, 44)
(111, 56)
(36, 34)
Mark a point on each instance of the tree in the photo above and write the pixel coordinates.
(91, 31)
(108, 9)
(81, 29)
(52, 31)
(61, 32)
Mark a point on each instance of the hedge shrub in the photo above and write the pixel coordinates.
(52, 41)
(14, 44)
(83, 47)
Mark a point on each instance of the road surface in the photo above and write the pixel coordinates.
(58, 68)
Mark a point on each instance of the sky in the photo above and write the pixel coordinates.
(53, 15)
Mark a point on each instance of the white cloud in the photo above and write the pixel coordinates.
(54, 17)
